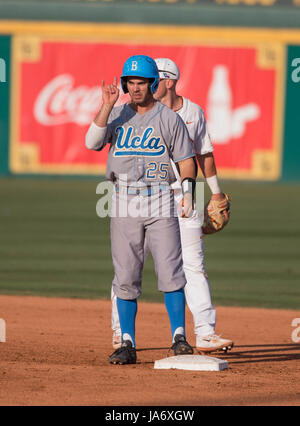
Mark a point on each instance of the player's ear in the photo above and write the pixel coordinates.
(170, 83)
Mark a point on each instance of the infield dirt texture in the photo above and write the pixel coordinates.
(53, 244)
(56, 353)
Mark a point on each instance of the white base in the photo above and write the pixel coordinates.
(191, 362)
(2, 331)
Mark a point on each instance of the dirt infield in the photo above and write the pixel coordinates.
(56, 354)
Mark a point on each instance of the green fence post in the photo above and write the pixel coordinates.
(4, 102)
(291, 148)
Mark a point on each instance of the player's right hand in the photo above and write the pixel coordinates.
(110, 93)
(186, 206)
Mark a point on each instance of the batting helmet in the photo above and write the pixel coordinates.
(140, 66)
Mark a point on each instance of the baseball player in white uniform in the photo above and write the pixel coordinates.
(144, 136)
(197, 290)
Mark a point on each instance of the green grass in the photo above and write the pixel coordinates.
(53, 244)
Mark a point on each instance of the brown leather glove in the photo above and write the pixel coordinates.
(216, 215)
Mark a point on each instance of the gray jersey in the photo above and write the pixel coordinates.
(143, 144)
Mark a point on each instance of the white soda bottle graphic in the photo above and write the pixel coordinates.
(219, 108)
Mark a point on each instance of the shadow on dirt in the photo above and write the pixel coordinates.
(261, 353)
(251, 353)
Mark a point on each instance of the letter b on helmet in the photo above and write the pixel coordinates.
(134, 66)
(140, 66)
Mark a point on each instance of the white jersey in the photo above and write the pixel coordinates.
(193, 116)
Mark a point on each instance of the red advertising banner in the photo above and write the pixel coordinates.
(57, 93)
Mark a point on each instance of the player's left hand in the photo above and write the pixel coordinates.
(186, 205)
(216, 213)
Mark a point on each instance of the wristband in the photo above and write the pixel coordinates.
(188, 185)
(213, 184)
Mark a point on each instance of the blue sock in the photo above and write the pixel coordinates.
(127, 310)
(175, 304)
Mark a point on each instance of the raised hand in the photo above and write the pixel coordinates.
(110, 92)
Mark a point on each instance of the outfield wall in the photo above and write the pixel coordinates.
(4, 102)
(246, 80)
(233, 13)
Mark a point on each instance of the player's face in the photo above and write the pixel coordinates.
(161, 90)
(138, 89)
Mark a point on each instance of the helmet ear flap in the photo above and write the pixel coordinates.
(154, 86)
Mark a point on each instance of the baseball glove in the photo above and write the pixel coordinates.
(216, 215)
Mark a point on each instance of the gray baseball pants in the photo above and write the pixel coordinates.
(127, 247)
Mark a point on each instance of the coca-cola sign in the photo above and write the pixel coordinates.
(61, 94)
(61, 102)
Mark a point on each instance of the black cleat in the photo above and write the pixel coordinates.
(126, 354)
(181, 346)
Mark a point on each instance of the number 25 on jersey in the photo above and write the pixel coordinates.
(158, 171)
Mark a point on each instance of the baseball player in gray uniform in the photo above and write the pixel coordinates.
(144, 137)
(197, 289)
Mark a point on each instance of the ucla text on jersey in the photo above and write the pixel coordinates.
(144, 145)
